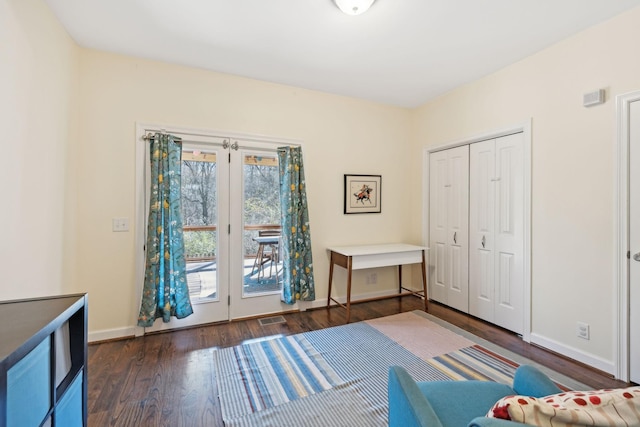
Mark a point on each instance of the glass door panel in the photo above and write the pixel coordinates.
(205, 198)
(261, 231)
(200, 223)
(256, 204)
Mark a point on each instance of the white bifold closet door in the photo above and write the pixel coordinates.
(449, 207)
(496, 231)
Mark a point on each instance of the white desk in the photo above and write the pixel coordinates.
(373, 256)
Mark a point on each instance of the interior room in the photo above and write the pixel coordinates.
(79, 95)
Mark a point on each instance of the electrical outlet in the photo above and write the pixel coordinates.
(583, 330)
(120, 224)
(372, 279)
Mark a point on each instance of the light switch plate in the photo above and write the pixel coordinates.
(120, 224)
(582, 330)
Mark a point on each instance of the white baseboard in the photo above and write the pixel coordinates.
(574, 353)
(322, 302)
(112, 334)
(131, 331)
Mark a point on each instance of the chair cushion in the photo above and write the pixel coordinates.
(576, 408)
(456, 403)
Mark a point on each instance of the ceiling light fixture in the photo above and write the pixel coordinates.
(354, 7)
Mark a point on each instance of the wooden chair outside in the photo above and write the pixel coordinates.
(268, 251)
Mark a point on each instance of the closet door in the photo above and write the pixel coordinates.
(481, 229)
(449, 210)
(496, 225)
(438, 196)
(509, 233)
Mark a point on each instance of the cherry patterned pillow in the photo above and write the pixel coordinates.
(617, 407)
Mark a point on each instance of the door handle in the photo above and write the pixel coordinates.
(636, 257)
(483, 241)
(454, 237)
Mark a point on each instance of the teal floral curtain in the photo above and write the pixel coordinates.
(165, 292)
(297, 264)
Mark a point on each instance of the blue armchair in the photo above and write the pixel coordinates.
(458, 403)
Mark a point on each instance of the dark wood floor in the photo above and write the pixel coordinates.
(167, 379)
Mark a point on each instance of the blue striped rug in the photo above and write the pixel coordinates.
(272, 372)
(338, 376)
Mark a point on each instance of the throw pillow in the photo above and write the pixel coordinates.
(602, 408)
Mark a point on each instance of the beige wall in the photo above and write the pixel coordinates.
(339, 135)
(573, 171)
(69, 117)
(38, 110)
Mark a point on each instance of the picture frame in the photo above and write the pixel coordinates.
(362, 194)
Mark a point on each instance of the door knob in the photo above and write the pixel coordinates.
(636, 257)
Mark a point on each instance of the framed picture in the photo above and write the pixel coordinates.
(362, 193)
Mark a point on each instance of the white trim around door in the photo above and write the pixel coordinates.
(621, 279)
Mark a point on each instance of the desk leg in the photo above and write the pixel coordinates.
(424, 282)
(348, 288)
(330, 280)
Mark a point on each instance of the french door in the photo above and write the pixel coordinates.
(256, 266)
(231, 220)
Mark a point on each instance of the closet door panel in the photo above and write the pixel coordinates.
(458, 183)
(505, 280)
(483, 283)
(456, 264)
(509, 235)
(440, 269)
(458, 228)
(440, 178)
(481, 229)
(438, 202)
(448, 228)
(482, 173)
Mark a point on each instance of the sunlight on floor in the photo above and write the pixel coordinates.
(261, 339)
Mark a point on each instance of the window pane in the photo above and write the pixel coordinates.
(200, 211)
(261, 240)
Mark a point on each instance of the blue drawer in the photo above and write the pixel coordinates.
(29, 388)
(68, 412)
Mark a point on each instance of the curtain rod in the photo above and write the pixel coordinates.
(225, 142)
(149, 135)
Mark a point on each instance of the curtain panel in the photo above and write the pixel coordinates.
(297, 265)
(165, 292)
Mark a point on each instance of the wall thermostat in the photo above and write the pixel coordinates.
(593, 98)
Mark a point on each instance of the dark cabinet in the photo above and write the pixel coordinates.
(43, 359)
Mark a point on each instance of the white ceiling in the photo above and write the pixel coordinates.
(401, 52)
